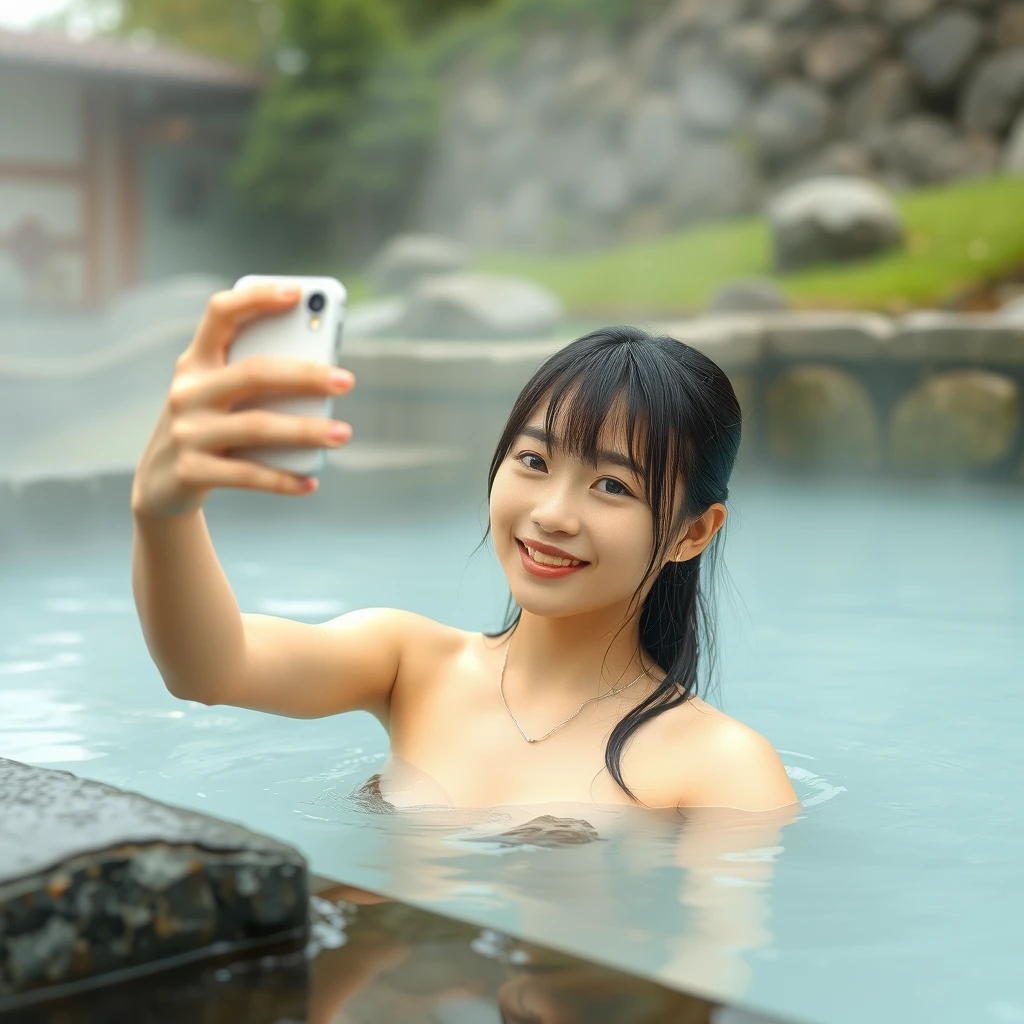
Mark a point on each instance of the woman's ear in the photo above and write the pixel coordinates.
(698, 534)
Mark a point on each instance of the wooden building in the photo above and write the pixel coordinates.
(114, 167)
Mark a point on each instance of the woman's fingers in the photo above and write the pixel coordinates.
(200, 471)
(228, 310)
(256, 375)
(257, 428)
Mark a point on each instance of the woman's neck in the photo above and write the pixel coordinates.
(581, 656)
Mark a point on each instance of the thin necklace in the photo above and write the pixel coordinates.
(561, 725)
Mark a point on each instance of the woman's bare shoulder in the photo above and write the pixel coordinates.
(708, 759)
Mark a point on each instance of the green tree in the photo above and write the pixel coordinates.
(337, 144)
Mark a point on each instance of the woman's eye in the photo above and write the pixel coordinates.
(616, 488)
(531, 461)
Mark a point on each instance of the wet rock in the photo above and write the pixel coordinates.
(885, 95)
(925, 149)
(1008, 31)
(750, 295)
(940, 49)
(1013, 157)
(480, 307)
(903, 13)
(112, 880)
(528, 215)
(711, 180)
(824, 417)
(826, 220)
(995, 93)
(481, 109)
(792, 120)
(795, 12)
(963, 420)
(713, 101)
(839, 54)
(606, 187)
(652, 143)
(406, 258)
(753, 50)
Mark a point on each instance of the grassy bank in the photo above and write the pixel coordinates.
(957, 236)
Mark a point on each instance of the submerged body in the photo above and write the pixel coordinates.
(599, 514)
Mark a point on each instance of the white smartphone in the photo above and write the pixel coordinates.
(310, 331)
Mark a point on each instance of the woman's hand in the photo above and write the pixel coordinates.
(186, 457)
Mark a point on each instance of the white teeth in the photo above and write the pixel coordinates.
(543, 559)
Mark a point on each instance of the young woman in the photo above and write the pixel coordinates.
(607, 496)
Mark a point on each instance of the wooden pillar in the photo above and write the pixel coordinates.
(129, 212)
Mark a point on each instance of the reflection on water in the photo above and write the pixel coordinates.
(369, 960)
(885, 671)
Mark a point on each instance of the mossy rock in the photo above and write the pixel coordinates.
(958, 421)
(824, 417)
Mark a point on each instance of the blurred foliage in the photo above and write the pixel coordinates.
(338, 143)
(957, 237)
(235, 30)
(338, 139)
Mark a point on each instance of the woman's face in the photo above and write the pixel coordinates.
(548, 507)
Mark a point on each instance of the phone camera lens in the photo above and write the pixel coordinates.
(317, 302)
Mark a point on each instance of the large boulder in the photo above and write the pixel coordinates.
(406, 258)
(793, 119)
(822, 416)
(995, 93)
(750, 295)
(885, 95)
(95, 880)
(962, 420)
(940, 49)
(480, 307)
(713, 101)
(840, 54)
(826, 220)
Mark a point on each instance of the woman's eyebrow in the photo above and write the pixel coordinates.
(603, 455)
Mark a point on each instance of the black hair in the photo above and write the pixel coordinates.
(683, 425)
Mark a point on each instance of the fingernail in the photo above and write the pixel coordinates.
(310, 484)
(342, 379)
(287, 291)
(339, 432)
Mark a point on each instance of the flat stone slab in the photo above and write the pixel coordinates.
(95, 880)
(824, 335)
(958, 337)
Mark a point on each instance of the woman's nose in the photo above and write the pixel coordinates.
(555, 510)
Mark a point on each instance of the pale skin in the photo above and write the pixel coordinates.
(433, 687)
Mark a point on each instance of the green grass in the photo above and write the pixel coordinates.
(957, 236)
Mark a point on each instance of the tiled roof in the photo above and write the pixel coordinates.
(120, 58)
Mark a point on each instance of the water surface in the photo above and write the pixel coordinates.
(874, 633)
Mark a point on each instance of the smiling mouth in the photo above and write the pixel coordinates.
(550, 561)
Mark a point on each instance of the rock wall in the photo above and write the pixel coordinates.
(583, 139)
